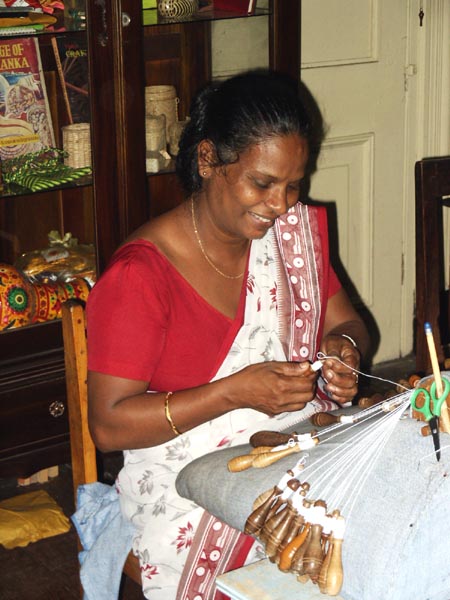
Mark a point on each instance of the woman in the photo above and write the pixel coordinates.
(203, 327)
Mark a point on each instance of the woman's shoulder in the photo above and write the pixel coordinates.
(136, 275)
(138, 258)
(165, 234)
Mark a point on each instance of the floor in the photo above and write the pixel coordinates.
(48, 569)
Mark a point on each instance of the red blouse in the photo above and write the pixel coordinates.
(146, 322)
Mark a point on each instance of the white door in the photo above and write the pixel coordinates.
(353, 62)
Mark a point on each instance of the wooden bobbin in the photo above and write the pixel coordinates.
(266, 459)
(295, 550)
(323, 419)
(295, 527)
(270, 438)
(328, 548)
(277, 513)
(414, 380)
(369, 401)
(243, 462)
(257, 518)
(313, 556)
(335, 572)
(278, 533)
(262, 498)
(401, 385)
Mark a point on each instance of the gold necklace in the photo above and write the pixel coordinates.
(200, 243)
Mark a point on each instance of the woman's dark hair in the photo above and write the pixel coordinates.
(236, 114)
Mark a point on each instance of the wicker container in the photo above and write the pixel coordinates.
(77, 144)
(155, 133)
(162, 100)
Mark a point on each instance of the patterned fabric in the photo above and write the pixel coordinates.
(284, 314)
(216, 549)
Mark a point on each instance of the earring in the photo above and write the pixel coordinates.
(204, 173)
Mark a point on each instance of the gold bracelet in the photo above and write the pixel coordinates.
(168, 416)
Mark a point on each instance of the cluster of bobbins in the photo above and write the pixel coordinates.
(412, 382)
(299, 534)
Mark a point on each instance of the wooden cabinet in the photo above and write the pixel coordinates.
(125, 55)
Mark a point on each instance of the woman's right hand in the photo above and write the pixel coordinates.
(273, 387)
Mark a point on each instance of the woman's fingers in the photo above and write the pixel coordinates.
(276, 387)
(341, 383)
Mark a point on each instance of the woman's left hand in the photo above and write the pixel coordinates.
(341, 380)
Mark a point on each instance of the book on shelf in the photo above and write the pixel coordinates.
(244, 7)
(25, 119)
(72, 65)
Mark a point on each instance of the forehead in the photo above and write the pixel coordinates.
(283, 154)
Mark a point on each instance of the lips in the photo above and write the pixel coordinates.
(261, 218)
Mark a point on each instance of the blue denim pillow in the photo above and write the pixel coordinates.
(397, 539)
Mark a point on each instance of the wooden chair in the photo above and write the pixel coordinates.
(432, 179)
(83, 451)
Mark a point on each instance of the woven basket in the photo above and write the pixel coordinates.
(77, 144)
(162, 100)
(155, 133)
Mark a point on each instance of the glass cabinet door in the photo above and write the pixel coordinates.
(47, 227)
(46, 197)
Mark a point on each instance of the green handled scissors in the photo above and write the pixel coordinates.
(431, 409)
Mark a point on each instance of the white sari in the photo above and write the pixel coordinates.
(284, 309)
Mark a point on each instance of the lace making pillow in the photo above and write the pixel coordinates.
(397, 539)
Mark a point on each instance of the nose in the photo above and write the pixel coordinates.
(278, 201)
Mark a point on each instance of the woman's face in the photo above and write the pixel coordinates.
(247, 196)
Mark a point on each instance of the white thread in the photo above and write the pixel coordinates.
(322, 356)
(366, 445)
(287, 493)
(338, 528)
(433, 453)
(282, 484)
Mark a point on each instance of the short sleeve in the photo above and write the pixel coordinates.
(126, 318)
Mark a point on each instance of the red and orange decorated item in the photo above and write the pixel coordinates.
(23, 303)
(48, 6)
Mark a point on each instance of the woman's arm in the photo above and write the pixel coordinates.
(341, 319)
(122, 415)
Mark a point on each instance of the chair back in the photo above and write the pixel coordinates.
(432, 180)
(83, 452)
(82, 448)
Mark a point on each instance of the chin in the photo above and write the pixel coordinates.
(259, 233)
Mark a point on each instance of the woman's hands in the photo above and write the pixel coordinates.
(272, 387)
(341, 319)
(341, 381)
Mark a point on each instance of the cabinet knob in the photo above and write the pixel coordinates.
(126, 19)
(56, 409)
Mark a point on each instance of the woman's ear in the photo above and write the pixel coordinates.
(205, 158)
